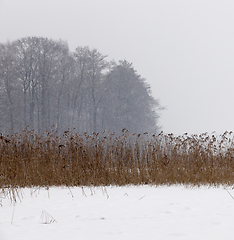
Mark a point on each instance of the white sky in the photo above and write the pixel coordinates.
(184, 48)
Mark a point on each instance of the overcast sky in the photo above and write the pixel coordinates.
(183, 48)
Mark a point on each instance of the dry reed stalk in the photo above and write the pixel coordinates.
(31, 160)
(46, 218)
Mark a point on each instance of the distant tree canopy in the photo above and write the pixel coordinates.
(43, 84)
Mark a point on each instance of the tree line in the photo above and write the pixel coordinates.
(44, 84)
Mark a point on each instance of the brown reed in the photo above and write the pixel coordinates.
(29, 160)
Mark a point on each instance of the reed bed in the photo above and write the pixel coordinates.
(28, 159)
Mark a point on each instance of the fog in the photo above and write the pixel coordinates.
(184, 49)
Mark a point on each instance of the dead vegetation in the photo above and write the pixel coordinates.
(29, 160)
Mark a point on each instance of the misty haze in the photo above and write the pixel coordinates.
(116, 119)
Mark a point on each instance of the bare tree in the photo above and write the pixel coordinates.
(96, 68)
(27, 69)
(87, 85)
(8, 84)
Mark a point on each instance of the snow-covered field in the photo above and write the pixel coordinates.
(132, 213)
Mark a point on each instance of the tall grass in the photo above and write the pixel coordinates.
(28, 159)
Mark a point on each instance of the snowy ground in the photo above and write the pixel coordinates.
(129, 213)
